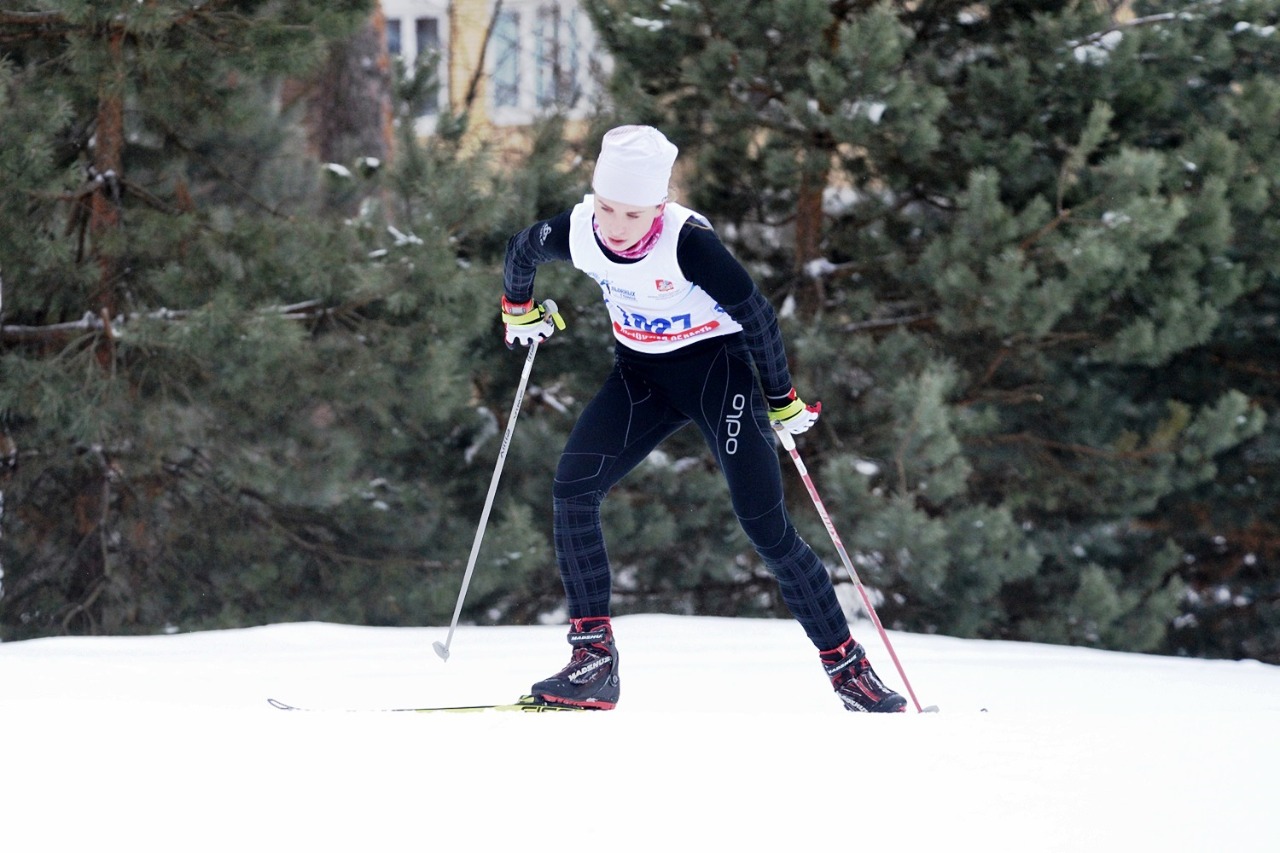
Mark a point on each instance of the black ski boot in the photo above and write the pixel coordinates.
(590, 680)
(856, 683)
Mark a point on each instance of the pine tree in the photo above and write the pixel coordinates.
(1004, 239)
(228, 404)
(142, 303)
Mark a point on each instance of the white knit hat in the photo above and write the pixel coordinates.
(634, 166)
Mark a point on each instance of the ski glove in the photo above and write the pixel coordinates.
(528, 322)
(792, 414)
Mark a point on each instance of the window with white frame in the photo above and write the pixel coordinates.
(504, 75)
(394, 46)
(539, 60)
(416, 28)
(555, 57)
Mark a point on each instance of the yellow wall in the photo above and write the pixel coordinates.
(468, 25)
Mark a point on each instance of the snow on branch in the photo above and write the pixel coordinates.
(89, 323)
(1107, 36)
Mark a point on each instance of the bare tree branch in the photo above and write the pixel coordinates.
(474, 86)
(91, 323)
(1145, 21)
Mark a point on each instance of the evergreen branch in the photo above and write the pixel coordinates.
(22, 334)
(35, 577)
(150, 199)
(900, 453)
(9, 17)
(91, 323)
(1134, 23)
(1262, 371)
(1063, 215)
(206, 9)
(888, 322)
(82, 607)
(18, 27)
(51, 572)
(1004, 397)
(216, 168)
(271, 516)
(110, 474)
(1071, 447)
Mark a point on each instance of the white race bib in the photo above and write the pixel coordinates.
(654, 308)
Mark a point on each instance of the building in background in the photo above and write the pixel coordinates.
(507, 62)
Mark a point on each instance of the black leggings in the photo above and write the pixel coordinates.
(643, 401)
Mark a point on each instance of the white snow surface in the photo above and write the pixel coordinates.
(727, 738)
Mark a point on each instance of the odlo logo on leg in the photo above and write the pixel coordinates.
(733, 423)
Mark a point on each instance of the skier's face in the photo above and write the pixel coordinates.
(622, 225)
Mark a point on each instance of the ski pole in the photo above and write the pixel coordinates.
(789, 443)
(442, 649)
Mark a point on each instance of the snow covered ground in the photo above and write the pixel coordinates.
(727, 738)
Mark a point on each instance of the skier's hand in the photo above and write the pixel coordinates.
(792, 414)
(529, 322)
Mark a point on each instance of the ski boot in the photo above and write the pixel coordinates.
(856, 683)
(590, 680)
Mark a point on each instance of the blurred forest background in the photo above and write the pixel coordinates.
(1026, 254)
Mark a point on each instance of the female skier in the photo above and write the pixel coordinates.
(693, 331)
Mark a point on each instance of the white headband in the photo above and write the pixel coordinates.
(634, 166)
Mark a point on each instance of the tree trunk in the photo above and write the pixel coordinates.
(104, 203)
(810, 293)
(349, 106)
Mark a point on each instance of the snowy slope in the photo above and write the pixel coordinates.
(727, 738)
